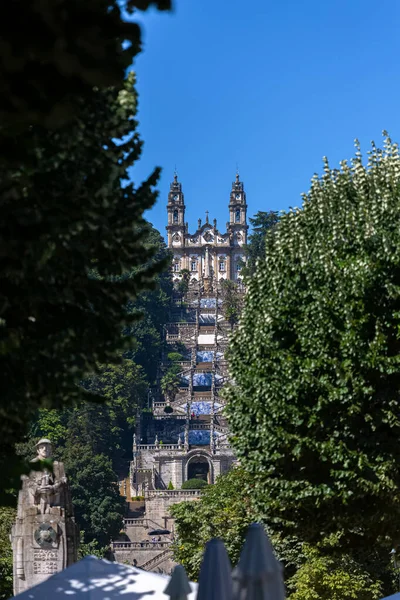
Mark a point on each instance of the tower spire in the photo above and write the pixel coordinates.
(176, 212)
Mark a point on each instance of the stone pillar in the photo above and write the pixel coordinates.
(228, 266)
(44, 536)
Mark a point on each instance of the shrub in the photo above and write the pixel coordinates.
(194, 484)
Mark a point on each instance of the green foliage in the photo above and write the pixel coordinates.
(98, 506)
(315, 407)
(262, 223)
(231, 301)
(77, 249)
(151, 310)
(224, 510)
(7, 518)
(98, 436)
(171, 379)
(332, 578)
(54, 68)
(170, 486)
(194, 484)
(90, 548)
(183, 284)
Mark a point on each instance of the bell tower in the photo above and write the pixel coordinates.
(176, 213)
(238, 210)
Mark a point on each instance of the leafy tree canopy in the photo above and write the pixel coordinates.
(7, 518)
(223, 510)
(75, 247)
(231, 301)
(314, 411)
(94, 439)
(262, 223)
(326, 577)
(226, 509)
(69, 47)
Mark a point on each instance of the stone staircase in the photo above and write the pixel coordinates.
(154, 562)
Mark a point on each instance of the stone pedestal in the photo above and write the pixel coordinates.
(45, 536)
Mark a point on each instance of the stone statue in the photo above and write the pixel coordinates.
(44, 486)
(44, 536)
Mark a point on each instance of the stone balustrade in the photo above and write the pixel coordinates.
(158, 447)
(140, 545)
(135, 522)
(172, 493)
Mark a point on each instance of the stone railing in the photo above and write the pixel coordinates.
(153, 562)
(200, 426)
(135, 522)
(158, 447)
(173, 493)
(172, 336)
(141, 545)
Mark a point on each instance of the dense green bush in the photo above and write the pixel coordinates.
(194, 484)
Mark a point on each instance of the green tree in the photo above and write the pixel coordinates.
(7, 517)
(314, 411)
(70, 228)
(262, 223)
(150, 309)
(231, 301)
(98, 506)
(224, 510)
(332, 578)
(71, 47)
(183, 284)
(171, 379)
(101, 432)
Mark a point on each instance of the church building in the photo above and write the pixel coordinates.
(207, 252)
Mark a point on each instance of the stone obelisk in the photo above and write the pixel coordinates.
(44, 536)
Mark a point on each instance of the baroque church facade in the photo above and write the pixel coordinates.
(186, 435)
(207, 252)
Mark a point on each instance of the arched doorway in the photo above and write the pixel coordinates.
(199, 468)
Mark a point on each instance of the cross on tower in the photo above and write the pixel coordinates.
(206, 216)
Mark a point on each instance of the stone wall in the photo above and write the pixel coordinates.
(171, 463)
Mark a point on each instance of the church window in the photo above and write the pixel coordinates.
(194, 265)
(238, 267)
(222, 265)
(176, 266)
(237, 215)
(175, 216)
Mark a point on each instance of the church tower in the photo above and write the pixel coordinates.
(176, 213)
(238, 211)
(208, 254)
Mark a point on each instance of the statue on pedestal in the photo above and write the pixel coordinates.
(44, 537)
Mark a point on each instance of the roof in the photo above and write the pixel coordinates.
(98, 579)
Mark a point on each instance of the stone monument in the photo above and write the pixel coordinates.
(44, 536)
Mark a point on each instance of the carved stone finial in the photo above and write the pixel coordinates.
(199, 223)
(206, 216)
(215, 223)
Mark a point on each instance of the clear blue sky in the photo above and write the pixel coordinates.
(272, 86)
